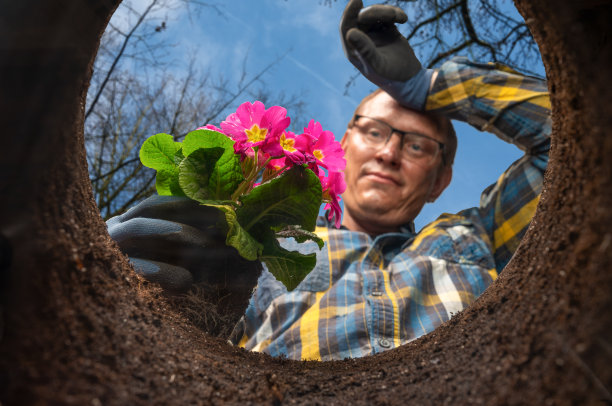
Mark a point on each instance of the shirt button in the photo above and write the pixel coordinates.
(384, 343)
(376, 293)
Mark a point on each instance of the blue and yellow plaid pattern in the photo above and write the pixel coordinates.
(370, 294)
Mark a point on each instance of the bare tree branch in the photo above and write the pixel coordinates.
(432, 19)
(118, 57)
(127, 107)
(469, 26)
(243, 87)
(444, 55)
(481, 29)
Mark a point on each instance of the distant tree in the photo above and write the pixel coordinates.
(483, 30)
(138, 90)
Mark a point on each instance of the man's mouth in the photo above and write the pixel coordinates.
(382, 178)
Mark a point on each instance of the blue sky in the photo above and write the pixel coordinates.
(307, 32)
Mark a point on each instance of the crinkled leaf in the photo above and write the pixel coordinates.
(226, 175)
(158, 152)
(289, 267)
(206, 139)
(290, 199)
(237, 236)
(300, 235)
(195, 170)
(167, 183)
(178, 156)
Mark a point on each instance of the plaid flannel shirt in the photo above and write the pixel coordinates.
(370, 294)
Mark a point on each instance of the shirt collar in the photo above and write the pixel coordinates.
(324, 221)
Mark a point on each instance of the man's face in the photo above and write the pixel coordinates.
(385, 190)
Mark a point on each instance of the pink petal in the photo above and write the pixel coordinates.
(210, 127)
(276, 164)
(304, 143)
(275, 114)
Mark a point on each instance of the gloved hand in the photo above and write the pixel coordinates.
(175, 242)
(373, 45)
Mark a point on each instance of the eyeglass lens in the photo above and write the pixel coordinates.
(414, 146)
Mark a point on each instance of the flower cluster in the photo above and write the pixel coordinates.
(268, 148)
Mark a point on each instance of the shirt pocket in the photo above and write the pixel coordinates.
(461, 242)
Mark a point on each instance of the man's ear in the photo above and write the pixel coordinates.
(442, 181)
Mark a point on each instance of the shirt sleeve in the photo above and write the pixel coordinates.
(516, 108)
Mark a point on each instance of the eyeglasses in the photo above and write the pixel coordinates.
(415, 147)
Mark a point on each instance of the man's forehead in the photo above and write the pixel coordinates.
(380, 100)
(384, 107)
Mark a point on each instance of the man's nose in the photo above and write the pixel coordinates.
(390, 151)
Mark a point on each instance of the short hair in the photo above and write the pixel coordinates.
(443, 123)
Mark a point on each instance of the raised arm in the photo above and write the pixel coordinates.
(373, 45)
(516, 108)
(490, 97)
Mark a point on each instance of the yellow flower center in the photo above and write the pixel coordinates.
(256, 134)
(318, 154)
(287, 143)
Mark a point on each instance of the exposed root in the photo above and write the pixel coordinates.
(202, 306)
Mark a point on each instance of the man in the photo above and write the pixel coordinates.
(378, 284)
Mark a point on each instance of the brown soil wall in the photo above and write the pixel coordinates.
(78, 327)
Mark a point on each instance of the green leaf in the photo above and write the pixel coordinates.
(178, 156)
(167, 183)
(237, 236)
(162, 153)
(206, 139)
(226, 175)
(288, 205)
(300, 235)
(170, 179)
(195, 170)
(289, 267)
(158, 152)
(293, 198)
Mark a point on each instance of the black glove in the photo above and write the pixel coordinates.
(373, 45)
(175, 242)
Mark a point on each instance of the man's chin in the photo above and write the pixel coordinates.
(378, 212)
(378, 204)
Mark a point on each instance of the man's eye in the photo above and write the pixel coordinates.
(374, 134)
(415, 147)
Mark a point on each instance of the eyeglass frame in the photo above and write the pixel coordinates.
(402, 133)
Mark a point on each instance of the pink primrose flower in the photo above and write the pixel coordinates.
(333, 187)
(289, 145)
(271, 145)
(334, 183)
(335, 211)
(254, 126)
(322, 146)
